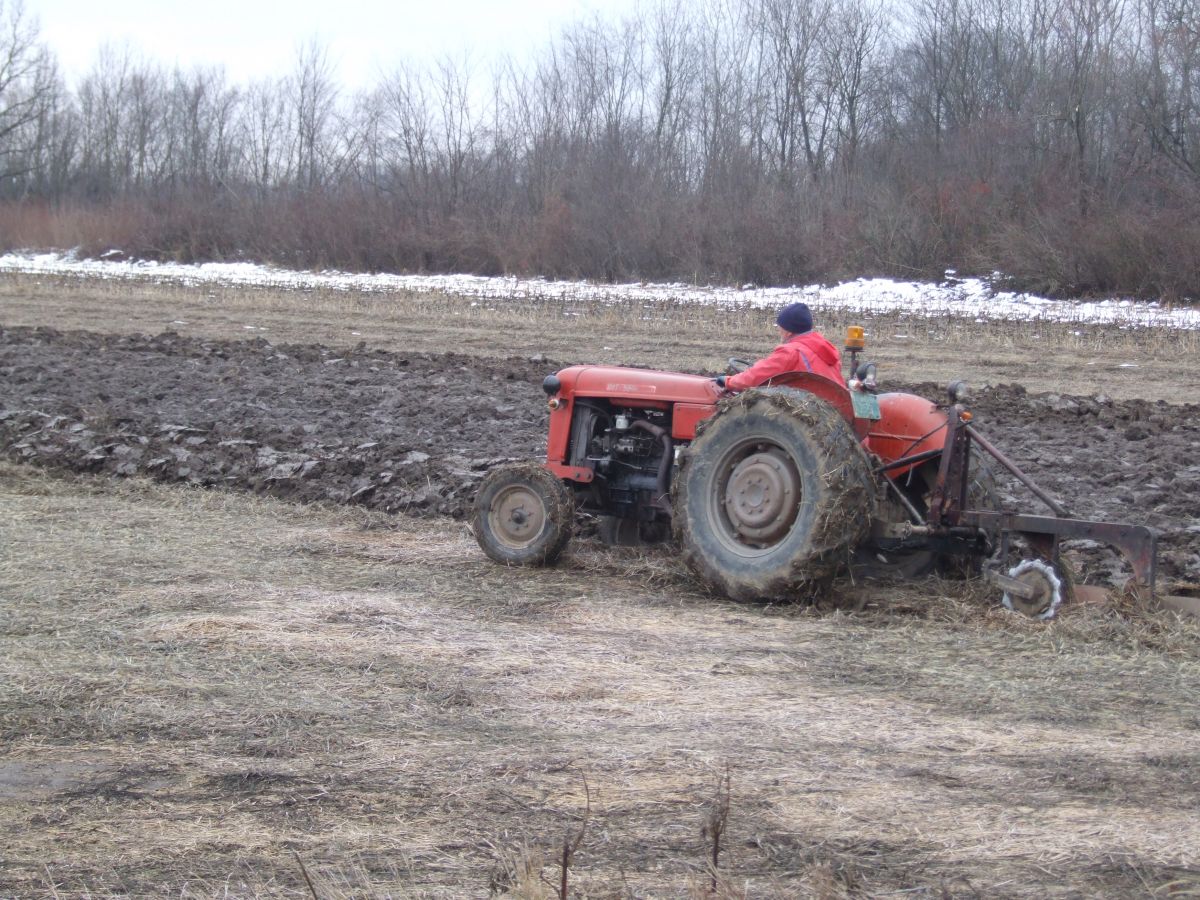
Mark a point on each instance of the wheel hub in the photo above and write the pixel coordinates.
(762, 496)
(1048, 590)
(517, 516)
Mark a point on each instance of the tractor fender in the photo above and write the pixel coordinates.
(835, 394)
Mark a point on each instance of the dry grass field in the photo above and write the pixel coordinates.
(206, 693)
(1069, 358)
(201, 690)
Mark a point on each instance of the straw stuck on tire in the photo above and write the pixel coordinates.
(773, 495)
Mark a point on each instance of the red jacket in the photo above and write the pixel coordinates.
(808, 352)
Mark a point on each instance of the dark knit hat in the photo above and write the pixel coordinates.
(795, 318)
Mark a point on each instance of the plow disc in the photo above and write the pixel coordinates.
(1030, 586)
(1185, 600)
(1033, 588)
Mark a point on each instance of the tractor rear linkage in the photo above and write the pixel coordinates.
(949, 516)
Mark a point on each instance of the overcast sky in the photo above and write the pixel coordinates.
(253, 39)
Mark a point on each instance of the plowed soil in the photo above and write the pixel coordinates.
(413, 433)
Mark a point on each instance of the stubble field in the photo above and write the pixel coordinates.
(251, 648)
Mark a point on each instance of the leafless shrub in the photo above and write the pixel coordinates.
(766, 141)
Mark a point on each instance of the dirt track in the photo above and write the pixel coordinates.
(414, 432)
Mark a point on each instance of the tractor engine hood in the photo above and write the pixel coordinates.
(641, 387)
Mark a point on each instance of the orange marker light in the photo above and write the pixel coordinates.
(965, 416)
(855, 338)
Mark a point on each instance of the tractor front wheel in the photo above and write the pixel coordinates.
(773, 496)
(523, 515)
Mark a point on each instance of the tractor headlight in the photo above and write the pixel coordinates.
(958, 391)
(551, 385)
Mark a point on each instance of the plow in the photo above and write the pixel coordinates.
(773, 491)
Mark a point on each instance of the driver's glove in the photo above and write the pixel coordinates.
(720, 382)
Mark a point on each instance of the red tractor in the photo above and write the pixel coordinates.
(773, 491)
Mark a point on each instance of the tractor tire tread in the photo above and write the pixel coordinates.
(845, 498)
(559, 509)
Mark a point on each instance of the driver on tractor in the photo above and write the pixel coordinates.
(801, 349)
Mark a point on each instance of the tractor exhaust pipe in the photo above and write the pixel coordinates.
(668, 457)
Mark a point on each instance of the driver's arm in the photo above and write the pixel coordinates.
(777, 362)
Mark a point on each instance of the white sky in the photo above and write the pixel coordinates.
(255, 38)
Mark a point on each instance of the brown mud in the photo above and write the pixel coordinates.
(413, 433)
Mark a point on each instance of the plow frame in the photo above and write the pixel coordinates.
(949, 514)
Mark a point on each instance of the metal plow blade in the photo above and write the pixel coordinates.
(1186, 600)
(1137, 543)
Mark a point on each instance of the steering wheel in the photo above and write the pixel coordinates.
(736, 365)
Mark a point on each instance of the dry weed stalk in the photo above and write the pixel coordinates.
(304, 871)
(520, 876)
(715, 827)
(572, 844)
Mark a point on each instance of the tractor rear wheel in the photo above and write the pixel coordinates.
(773, 495)
(523, 515)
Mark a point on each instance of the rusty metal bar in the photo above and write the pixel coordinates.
(1012, 585)
(952, 471)
(913, 460)
(1058, 508)
(913, 512)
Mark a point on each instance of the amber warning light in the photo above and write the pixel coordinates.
(855, 338)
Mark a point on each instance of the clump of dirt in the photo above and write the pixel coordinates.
(396, 432)
(415, 432)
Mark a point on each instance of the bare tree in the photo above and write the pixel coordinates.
(406, 125)
(1170, 95)
(800, 102)
(457, 137)
(202, 115)
(725, 46)
(265, 132)
(313, 93)
(28, 87)
(1086, 35)
(669, 86)
(104, 162)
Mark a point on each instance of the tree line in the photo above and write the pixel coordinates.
(766, 141)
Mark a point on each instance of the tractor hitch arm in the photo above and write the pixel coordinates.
(1000, 457)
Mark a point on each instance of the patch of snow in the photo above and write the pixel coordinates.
(968, 298)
